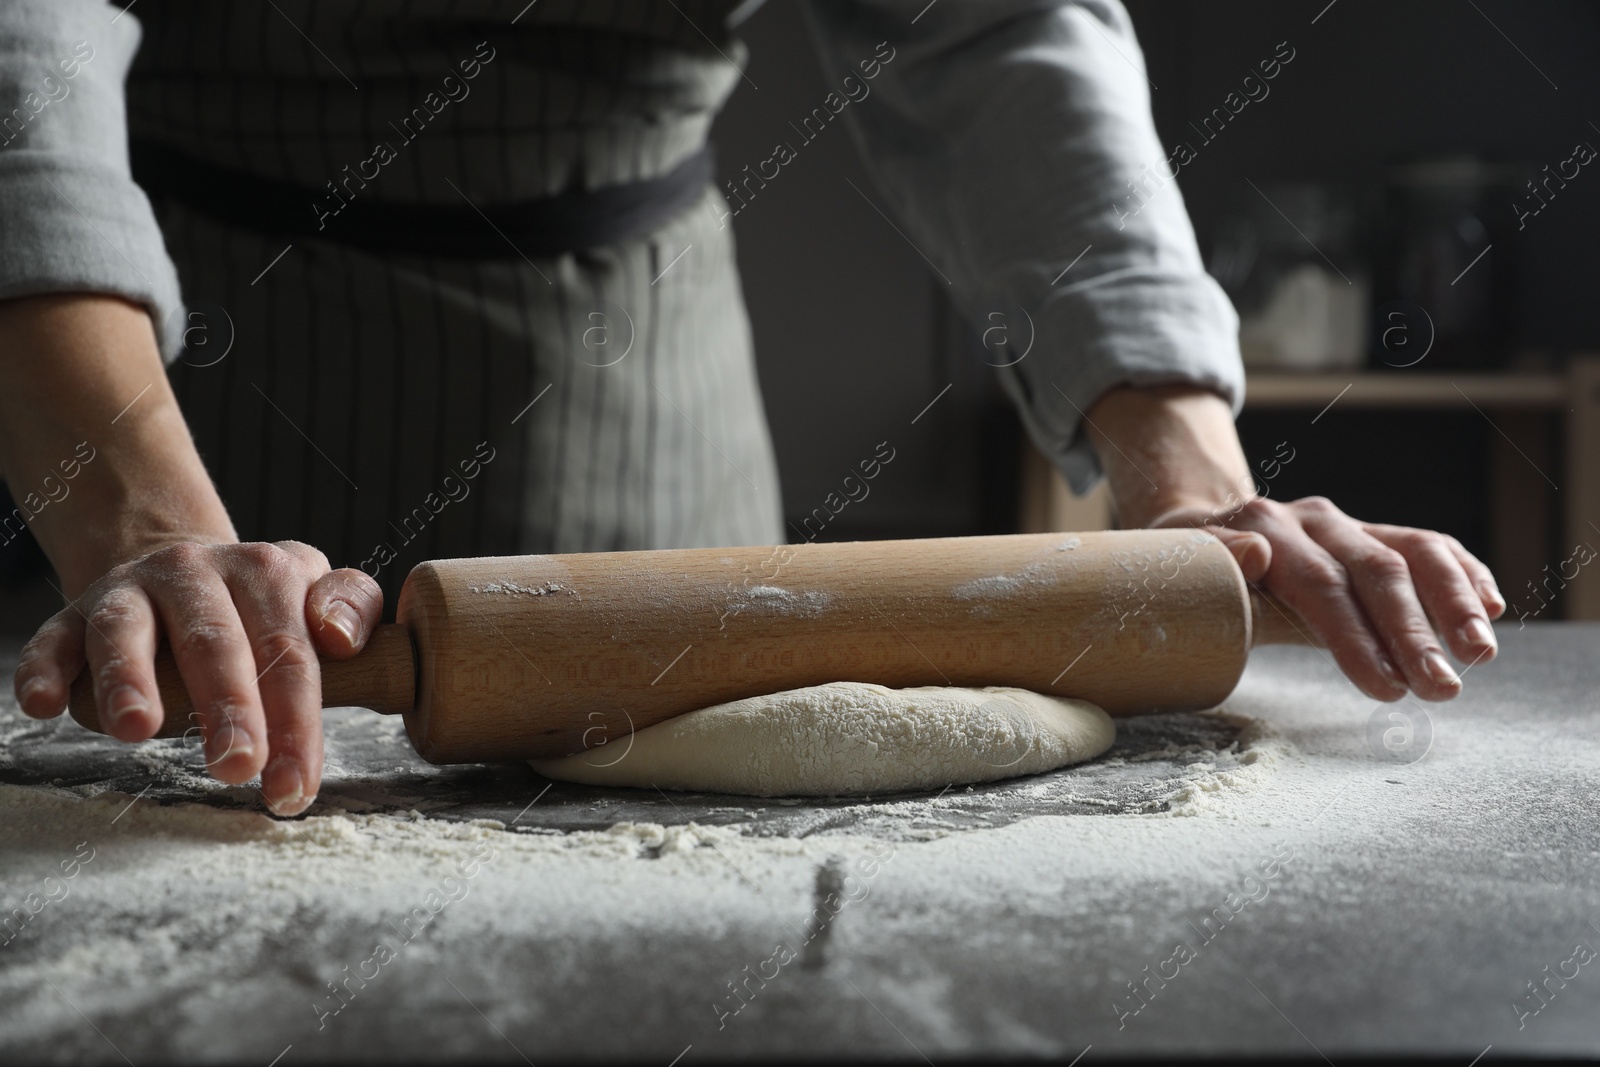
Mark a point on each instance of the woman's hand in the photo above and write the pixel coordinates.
(1377, 596)
(143, 547)
(246, 623)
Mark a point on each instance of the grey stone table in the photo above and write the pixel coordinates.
(1304, 874)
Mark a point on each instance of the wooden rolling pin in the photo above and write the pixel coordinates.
(510, 658)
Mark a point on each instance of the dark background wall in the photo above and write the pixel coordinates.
(853, 339)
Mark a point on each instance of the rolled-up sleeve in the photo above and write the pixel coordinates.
(1014, 141)
(71, 217)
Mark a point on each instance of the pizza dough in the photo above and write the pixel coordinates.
(848, 738)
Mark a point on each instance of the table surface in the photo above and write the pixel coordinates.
(1305, 874)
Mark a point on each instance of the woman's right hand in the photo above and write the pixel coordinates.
(246, 624)
(143, 548)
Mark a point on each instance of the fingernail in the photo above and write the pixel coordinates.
(1439, 669)
(1478, 634)
(284, 787)
(123, 701)
(1492, 595)
(343, 617)
(31, 689)
(1391, 673)
(228, 741)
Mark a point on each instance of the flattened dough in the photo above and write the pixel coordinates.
(849, 738)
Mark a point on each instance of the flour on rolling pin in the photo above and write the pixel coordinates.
(1034, 575)
(770, 598)
(513, 589)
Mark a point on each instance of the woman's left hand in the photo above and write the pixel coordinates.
(1385, 600)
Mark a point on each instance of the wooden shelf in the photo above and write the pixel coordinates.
(1399, 389)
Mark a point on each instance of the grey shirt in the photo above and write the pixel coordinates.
(1004, 135)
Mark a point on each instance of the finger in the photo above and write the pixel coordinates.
(269, 587)
(1383, 583)
(120, 638)
(1482, 578)
(50, 662)
(342, 609)
(1310, 581)
(213, 657)
(1478, 573)
(1251, 551)
(1446, 590)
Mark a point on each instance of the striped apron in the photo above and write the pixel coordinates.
(391, 405)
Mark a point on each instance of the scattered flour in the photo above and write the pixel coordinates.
(1210, 784)
(208, 935)
(182, 902)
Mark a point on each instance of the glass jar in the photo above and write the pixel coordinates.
(1438, 266)
(1288, 258)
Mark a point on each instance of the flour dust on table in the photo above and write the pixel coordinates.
(849, 738)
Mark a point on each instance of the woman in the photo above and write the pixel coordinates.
(432, 232)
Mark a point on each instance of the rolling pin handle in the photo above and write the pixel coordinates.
(1272, 623)
(382, 677)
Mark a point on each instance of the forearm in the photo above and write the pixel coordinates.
(1166, 448)
(81, 372)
